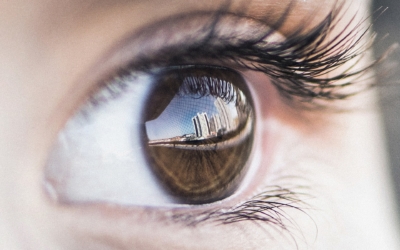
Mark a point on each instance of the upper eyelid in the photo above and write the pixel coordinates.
(308, 84)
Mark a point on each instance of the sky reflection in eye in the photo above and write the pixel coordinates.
(182, 112)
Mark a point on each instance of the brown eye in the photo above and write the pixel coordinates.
(198, 123)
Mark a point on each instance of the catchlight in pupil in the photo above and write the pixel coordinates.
(198, 124)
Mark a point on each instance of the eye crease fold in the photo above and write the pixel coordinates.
(298, 65)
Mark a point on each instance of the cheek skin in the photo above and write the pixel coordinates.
(341, 169)
(340, 160)
(355, 182)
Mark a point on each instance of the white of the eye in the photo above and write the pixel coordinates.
(98, 158)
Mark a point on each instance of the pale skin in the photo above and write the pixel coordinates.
(52, 56)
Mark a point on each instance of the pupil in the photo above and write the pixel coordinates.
(198, 134)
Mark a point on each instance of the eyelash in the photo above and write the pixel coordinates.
(258, 208)
(296, 67)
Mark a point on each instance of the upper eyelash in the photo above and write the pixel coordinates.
(207, 86)
(296, 65)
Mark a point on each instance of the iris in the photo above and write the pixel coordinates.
(198, 123)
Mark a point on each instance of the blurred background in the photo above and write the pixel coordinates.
(389, 24)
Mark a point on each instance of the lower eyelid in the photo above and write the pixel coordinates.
(112, 226)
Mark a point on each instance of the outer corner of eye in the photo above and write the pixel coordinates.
(182, 136)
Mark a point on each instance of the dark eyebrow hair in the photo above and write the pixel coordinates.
(297, 66)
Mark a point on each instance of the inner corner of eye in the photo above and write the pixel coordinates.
(198, 127)
(186, 140)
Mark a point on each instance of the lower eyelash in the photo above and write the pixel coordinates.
(268, 207)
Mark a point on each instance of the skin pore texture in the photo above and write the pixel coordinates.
(55, 53)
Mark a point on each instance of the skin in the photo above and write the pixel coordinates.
(50, 64)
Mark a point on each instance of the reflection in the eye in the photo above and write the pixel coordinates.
(212, 118)
(199, 134)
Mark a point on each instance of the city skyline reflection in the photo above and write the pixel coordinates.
(194, 122)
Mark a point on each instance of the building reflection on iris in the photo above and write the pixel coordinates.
(213, 119)
(218, 124)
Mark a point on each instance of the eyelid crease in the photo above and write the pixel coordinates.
(297, 66)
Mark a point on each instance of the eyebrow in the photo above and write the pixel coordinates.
(297, 65)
